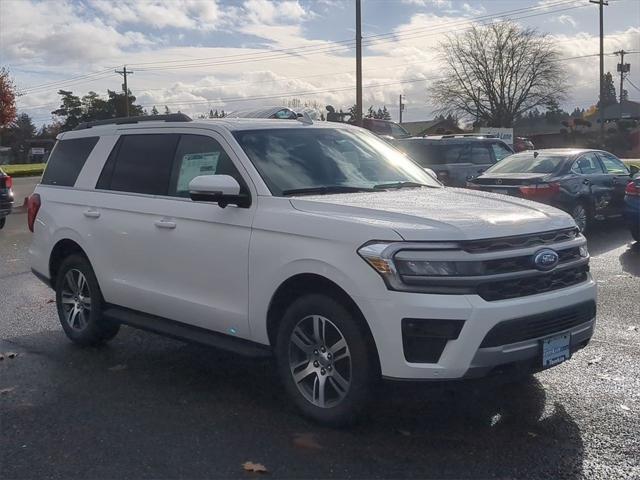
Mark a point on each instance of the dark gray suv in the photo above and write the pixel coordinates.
(455, 159)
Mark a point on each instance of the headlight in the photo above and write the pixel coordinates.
(413, 268)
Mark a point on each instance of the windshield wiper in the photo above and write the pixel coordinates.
(326, 190)
(383, 186)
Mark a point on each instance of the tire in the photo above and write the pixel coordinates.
(635, 233)
(582, 216)
(3, 220)
(79, 302)
(342, 362)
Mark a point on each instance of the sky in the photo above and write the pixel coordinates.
(197, 55)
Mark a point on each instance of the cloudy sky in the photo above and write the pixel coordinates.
(196, 55)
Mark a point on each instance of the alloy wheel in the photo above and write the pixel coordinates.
(76, 300)
(579, 214)
(320, 361)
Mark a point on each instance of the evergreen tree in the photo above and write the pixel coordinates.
(609, 92)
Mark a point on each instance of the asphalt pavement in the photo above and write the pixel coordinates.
(149, 407)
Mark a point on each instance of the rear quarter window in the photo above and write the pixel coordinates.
(66, 161)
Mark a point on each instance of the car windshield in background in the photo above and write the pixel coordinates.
(298, 160)
(527, 162)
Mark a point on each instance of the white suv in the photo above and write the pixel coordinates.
(318, 243)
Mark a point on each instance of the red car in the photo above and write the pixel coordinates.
(521, 144)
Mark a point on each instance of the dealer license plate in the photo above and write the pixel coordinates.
(556, 350)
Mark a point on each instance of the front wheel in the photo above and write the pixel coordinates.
(79, 303)
(325, 360)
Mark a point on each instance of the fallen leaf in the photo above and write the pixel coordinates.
(11, 354)
(117, 368)
(531, 434)
(404, 433)
(51, 301)
(306, 440)
(633, 328)
(1, 356)
(625, 408)
(254, 467)
(594, 361)
(4, 391)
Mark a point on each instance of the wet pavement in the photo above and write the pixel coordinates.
(150, 407)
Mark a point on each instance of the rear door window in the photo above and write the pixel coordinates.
(587, 164)
(140, 164)
(66, 161)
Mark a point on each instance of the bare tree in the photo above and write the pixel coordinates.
(495, 73)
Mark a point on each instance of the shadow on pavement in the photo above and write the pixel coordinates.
(630, 259)
(148, 407)
(606, 236)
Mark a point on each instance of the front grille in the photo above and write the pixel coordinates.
(520, 241)
(525, 262)
(521, 287)
(540, 325)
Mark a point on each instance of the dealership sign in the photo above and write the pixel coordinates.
(504, 134)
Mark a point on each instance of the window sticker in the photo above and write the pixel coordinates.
(196, 164)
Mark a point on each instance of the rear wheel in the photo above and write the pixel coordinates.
(3, 220)
(79, 303)
(581, 216)
(325, 360)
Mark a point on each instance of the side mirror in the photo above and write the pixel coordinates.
(220, 189)
(634, 169)
(431, 173)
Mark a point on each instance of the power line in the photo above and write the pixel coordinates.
(308, 50)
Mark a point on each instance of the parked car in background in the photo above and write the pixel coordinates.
(588, 184)
(385, 128)
(319, 244)
(6, 197)
(632, 205)
(520, 144)
(456, 159)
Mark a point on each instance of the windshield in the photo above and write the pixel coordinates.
(526, 162)
(294, 159)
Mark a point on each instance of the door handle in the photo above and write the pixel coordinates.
(91, 213)
(165, 224)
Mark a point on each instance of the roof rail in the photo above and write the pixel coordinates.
(172, 117)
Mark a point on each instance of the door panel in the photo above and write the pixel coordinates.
(168, 256)
(617, 178)
(593, 183)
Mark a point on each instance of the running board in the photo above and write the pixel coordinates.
(186, 333)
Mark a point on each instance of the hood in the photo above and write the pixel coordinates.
(440, 213)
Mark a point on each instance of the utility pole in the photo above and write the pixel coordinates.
(358, 63)
(601, 4)
(622, 68)
(125, 88)
(401, 108)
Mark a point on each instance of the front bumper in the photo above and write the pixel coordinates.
(463, 357)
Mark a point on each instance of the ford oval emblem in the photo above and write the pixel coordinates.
(545, 259)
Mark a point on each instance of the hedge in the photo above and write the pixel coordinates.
(24, 170)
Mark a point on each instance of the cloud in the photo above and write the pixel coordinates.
(271, 12)
(54, 33)
(474, 11)
(567, 20)
(426, 3)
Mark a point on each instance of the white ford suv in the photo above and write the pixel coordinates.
(317, 243)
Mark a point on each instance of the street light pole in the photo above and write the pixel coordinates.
(400, 109)
(358, 63)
